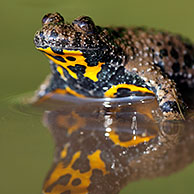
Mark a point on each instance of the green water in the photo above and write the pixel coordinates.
(25, 145)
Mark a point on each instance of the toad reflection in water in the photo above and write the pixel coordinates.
(102, 144)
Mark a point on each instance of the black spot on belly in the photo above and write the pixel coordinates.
(63, 180)
(59, 58)
(82, 164)
(122, 92)
(76, 182)
(174, 53)
(71, 58)
(163, 52)
(123, 137)
(188, 61)
(78, 69)
(176, 67)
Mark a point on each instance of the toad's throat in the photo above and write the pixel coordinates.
(73, 61)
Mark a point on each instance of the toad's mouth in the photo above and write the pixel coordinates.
(73, 61)
(68, 48)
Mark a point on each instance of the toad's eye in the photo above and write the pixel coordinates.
(45, 19)
(84, 24)
(52, 18)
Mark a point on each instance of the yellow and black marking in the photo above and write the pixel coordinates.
(90, 58)
(72, 58)
(134, 141)
(73, 122)
(82, 79)
(114, 90)
(97, 62)
(86, 157)
(67, 179)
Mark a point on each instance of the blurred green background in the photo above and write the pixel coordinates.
(25, 145)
